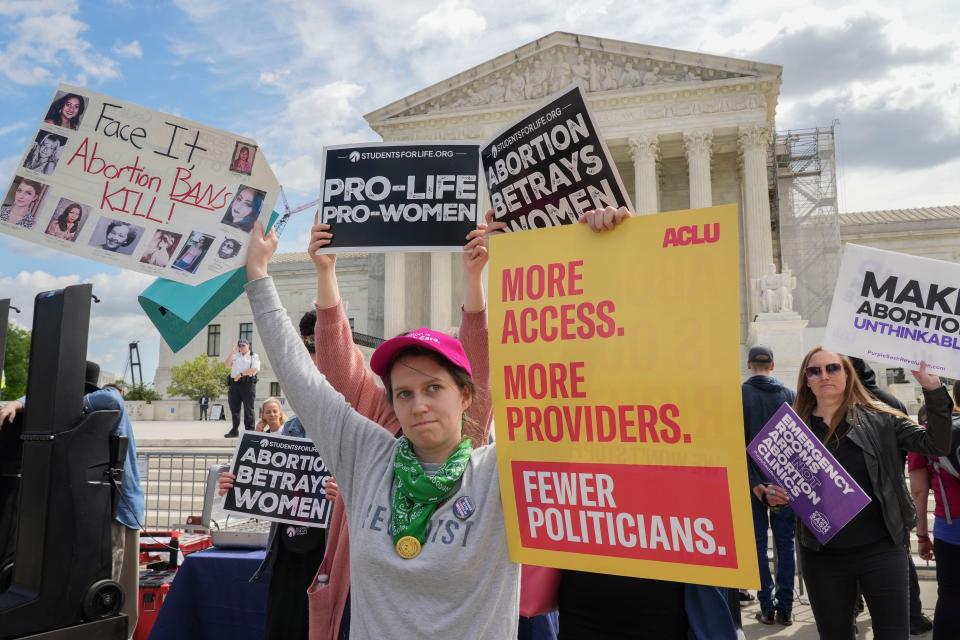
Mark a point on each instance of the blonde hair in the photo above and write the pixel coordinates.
(283, 416)
(854, 394)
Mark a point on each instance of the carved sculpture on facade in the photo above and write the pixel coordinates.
(561, 73)
(536, 81)
(776, 290)
(608, 77)
(515, 87)
(630, 77)
(652, 76)
(544, 73)
(581, 71)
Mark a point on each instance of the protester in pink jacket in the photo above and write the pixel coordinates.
(341, 361)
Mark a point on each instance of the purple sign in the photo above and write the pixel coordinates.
(822, 493)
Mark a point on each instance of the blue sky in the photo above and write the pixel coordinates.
(298, 74)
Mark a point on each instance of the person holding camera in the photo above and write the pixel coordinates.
(244, 366)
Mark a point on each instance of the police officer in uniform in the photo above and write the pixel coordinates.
(244, 365)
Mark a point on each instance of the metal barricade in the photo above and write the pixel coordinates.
(174, 483)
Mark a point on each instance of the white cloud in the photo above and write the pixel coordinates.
(871, 189)
(273, 78)
(202, 11)
(117, 292)
(449, 20)
(313, 118)
(47, 43)
(115, 321)
(35, 7)
(131, 49)
(15, 246)
(9, 129)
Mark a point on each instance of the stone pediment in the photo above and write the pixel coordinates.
(545, 66)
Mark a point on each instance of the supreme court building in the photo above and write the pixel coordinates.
(686, 130)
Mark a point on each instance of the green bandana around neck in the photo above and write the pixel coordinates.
(416, 495)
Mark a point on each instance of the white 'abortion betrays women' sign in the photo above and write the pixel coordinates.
(897, 309)
(137, 189)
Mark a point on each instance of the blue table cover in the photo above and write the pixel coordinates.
(212, 598)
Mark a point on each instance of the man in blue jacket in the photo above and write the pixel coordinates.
(762, 396)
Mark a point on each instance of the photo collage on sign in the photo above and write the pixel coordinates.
(29, 191)
(29, 203)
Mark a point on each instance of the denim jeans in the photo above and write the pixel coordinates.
(777, 595)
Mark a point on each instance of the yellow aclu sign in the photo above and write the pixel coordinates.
(616, 384)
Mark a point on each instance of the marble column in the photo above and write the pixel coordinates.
(645, 151)
(698, 145)
(394, 294)
(441, 288)
(752, 143)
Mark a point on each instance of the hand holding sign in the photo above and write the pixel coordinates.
(927, 380)
(477, 250)
(604, 219)
(320, 237)
(262, 249)
(776, 495)
(225, 482)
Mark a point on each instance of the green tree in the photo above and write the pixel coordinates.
(141, 392)
(198, 378)
(16, 363)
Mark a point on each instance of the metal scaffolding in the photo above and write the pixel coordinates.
(804, 198)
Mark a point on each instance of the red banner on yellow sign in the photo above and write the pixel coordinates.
(616, 381)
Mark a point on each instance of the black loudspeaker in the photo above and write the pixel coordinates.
(4, 324)
(61, 570)
(9, 472)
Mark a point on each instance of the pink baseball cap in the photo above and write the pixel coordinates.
(447, 346)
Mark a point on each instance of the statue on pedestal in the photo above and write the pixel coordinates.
(776, 290)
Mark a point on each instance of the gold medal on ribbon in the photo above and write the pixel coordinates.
(408, 547)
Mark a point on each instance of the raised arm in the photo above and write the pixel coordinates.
(473, 329)
(338, 358)
(340, 433)
(231, 355)
(935, 439)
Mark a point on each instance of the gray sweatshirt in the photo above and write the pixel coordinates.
(463, 584)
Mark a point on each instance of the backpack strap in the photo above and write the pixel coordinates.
(945, 464)
(942, 462)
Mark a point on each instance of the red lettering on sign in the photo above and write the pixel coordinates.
(553, 280)
(196, 194)
(687, 235)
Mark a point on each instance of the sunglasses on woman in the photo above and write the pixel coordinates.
(832, 369)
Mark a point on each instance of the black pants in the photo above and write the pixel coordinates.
(242, 393)
(203, 412)
(287, 609)
(916, 607)
(946, 619)
(832, 577)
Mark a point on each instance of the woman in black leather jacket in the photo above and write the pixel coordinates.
(866, 437)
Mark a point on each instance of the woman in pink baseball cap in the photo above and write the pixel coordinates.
(429, 552)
